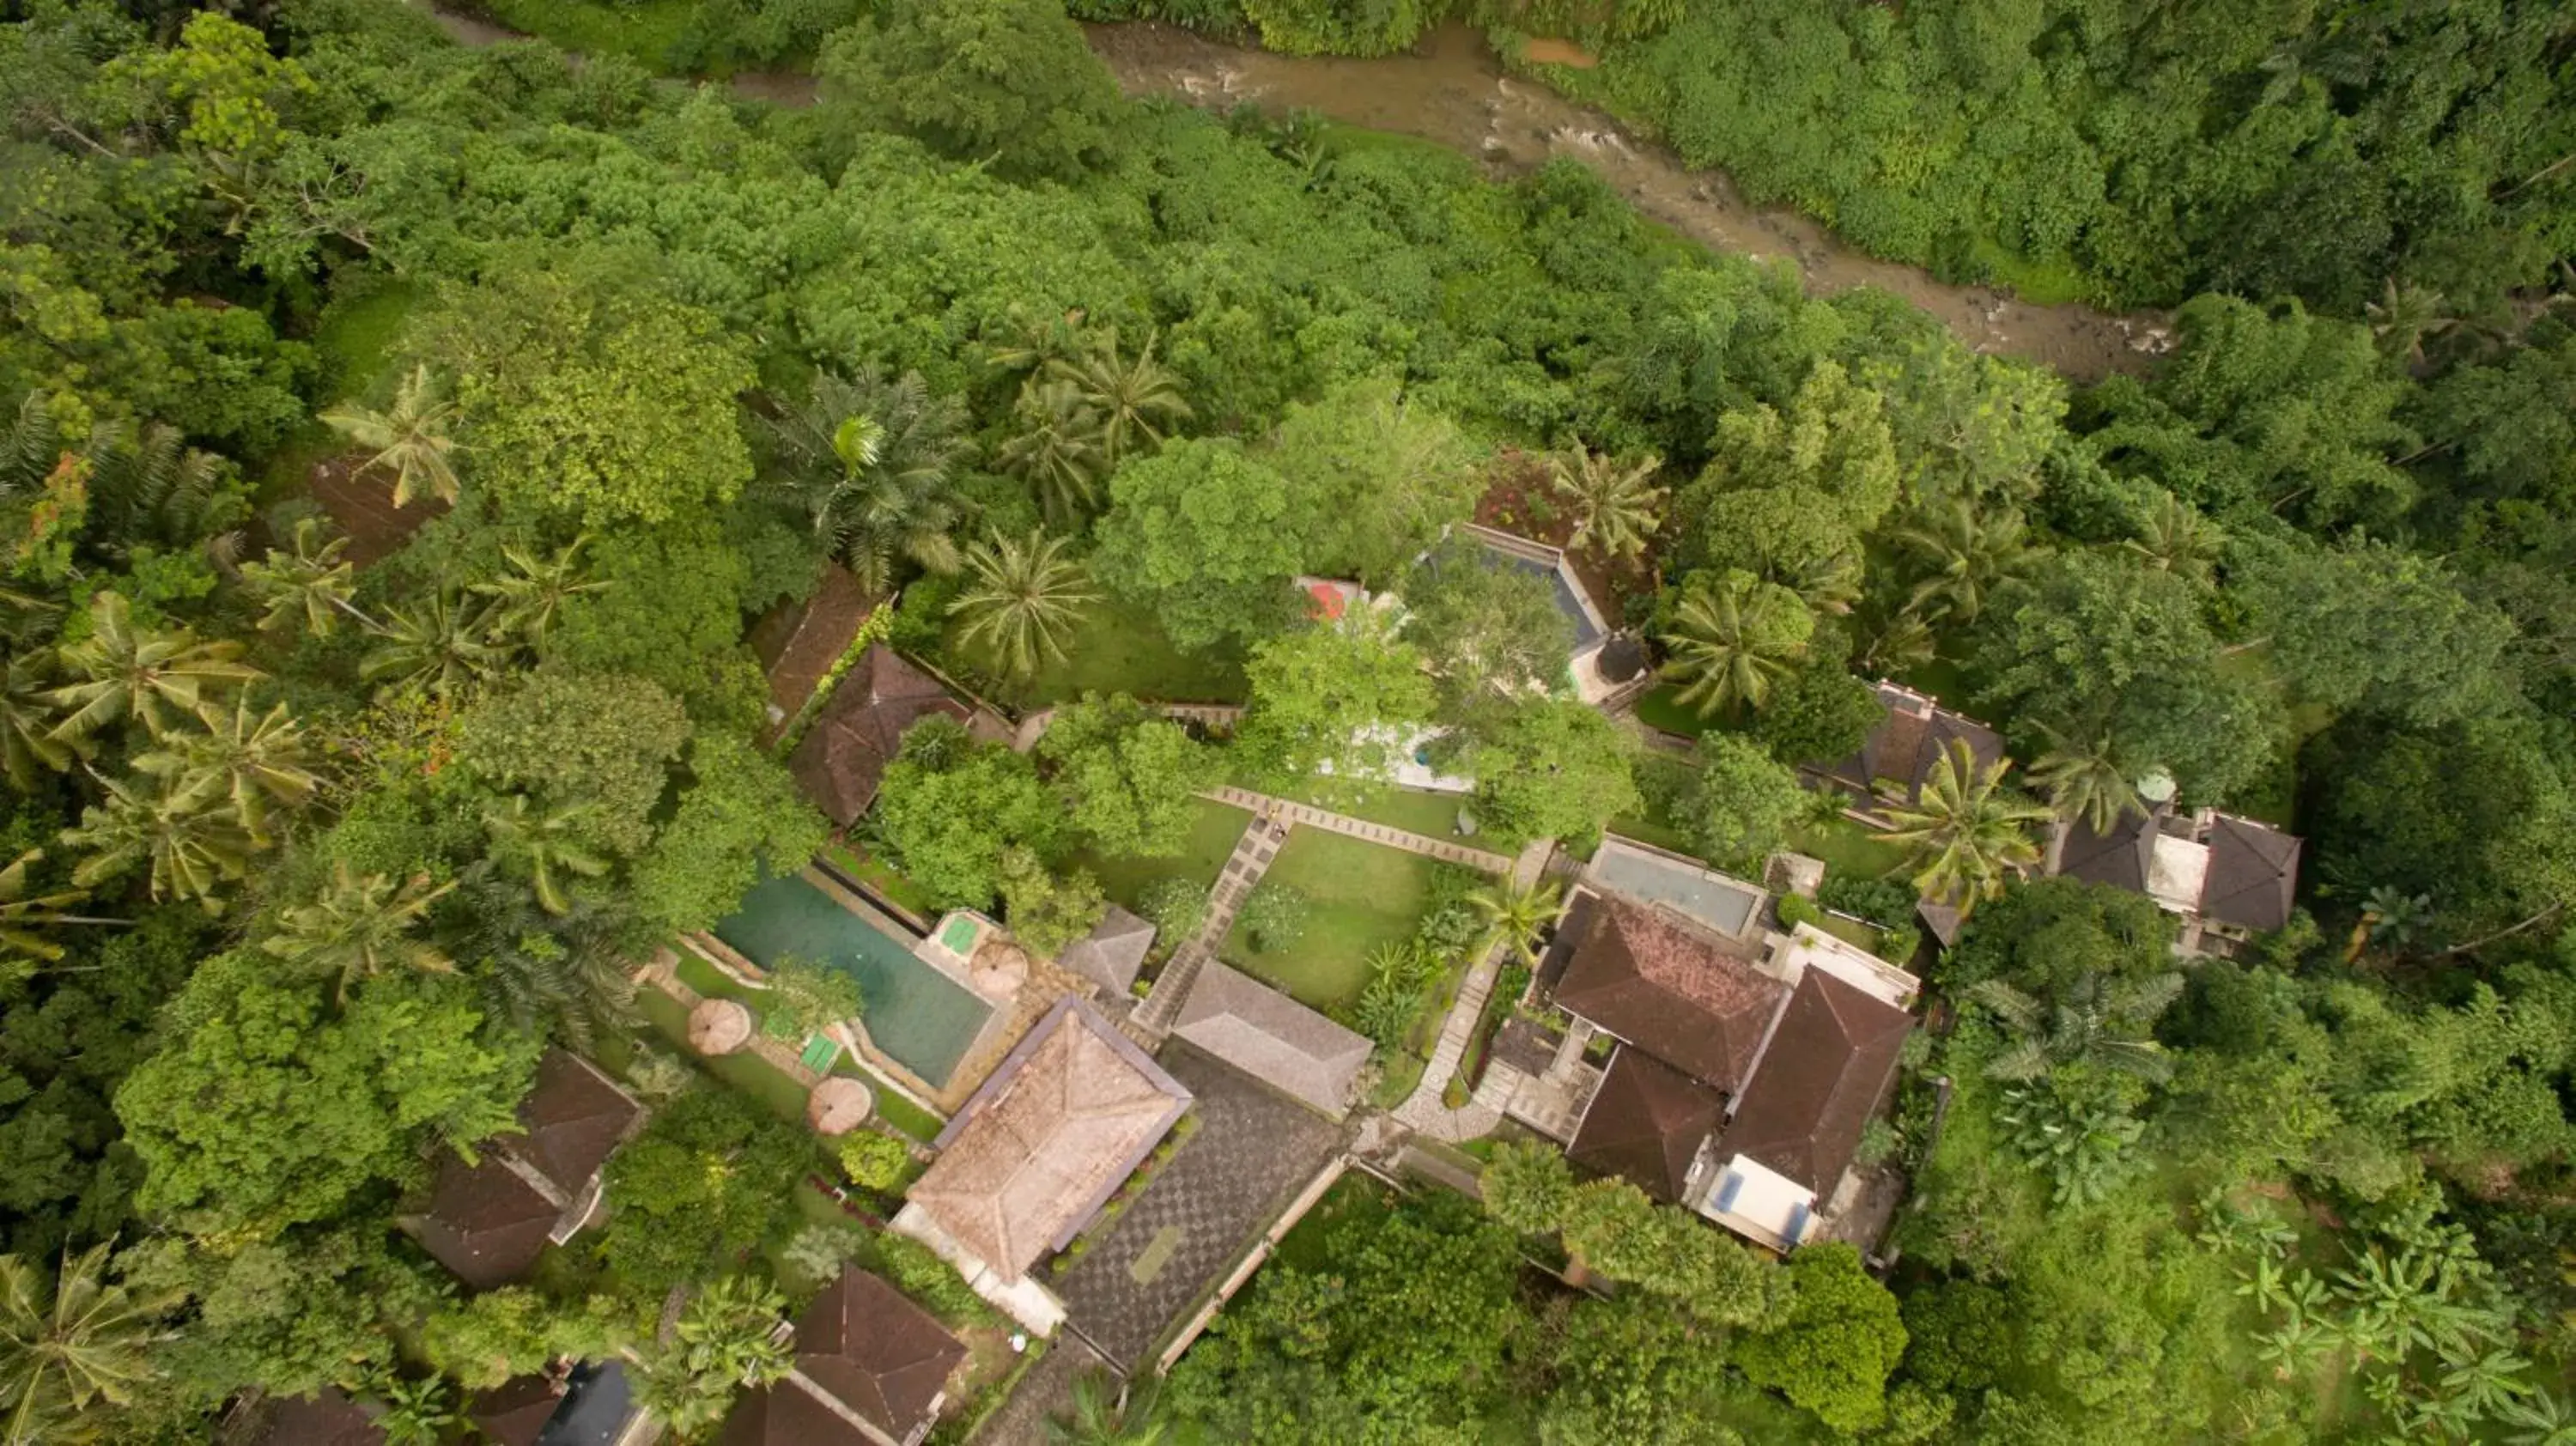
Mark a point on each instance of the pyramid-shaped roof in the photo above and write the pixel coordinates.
(1681, 994)
(1646, 1123)
(1828, 1065)
(877, 1353)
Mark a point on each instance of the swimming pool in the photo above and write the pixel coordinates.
(919, 1016)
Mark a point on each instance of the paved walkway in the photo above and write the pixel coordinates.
(1422, 1110)
(1360, 828)
(1243, 869)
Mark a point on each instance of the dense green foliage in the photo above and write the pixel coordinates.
(365, 837)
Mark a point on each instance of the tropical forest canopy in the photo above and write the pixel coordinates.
(311, 858)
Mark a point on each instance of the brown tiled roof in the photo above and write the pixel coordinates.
(330, 1419)
(1070, 1113)
(487, 1222)
(2253, 871)
(798, 642)
(1675, 992)
(1828, 1065)
(1909, 741)
(515, 1412)
(876, 1352)
(1112, 953)
(843, 757)
(787, 1414)
(1272, 1037)
(2124, 858)
(1646, 1123)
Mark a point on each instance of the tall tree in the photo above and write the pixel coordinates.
(1966, 832)
(867, 462)
(153, 676)
(722, 1343)
(1962, 551)
(1061, 448)
(1023, 597)
(413, 440)
(1205, 535)
(1490, 631)
(190, 846)
(357, 927)
(1333, 698)
(545, 844)
(253, 761)
(1376, 476)
(1733, 637)
(1137, 399)
(72, 1348)
(2095, 1021)
(1617, 505)
(532, 592)
(308, 580)
(444, 646)
(1128, 777)
(1515, 915)
(1005, 80)
(2083, 781)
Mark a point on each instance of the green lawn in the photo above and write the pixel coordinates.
(1362, 895)
(1847, 849)
(1414, 810)
(1119, 648)
(756, 1076)
(1661, 708)
(885, 881)
(643, 32)
(1213, 833)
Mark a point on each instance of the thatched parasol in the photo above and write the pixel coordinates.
(1001, 967)
(719, 1026)
(839, 1105)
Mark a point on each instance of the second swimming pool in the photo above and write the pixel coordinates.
(918, 1015)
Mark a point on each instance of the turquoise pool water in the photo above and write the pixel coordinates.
(921, 1017)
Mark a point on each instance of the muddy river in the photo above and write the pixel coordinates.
(1450, 89)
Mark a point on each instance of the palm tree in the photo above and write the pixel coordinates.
(865, 461)
(1827, 585)
(413, 441)
(1102, 1414)
(541, 973)
(21, 915)
(725, 1340)
(1024, 597)
(418, 1413)
(147, 487)
(532, 593)
(1898, 644)
(1514, 916)
(1137, 400)
(27, 719)
(250, 760)
(545, 844)
(360, 926)
(1062, 451)
(121, 671)
(443, 647)
(1616, 504)
(309, 579)
(2097, 1021)
(1730, 641)
(2083, 783)
(2389, 917)
(2175, 537)
(1964, 552)
(192, 848)
(2403, 316)
(1966, 831)
(67, 1350)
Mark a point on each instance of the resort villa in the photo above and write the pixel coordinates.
(2226, 878)
(871, 1369)
(1746, 1060)
(1900, 753)
(487, 1222)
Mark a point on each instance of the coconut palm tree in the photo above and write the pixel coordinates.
(191, 845)
(529, 597)
(1966, 831)
(27, 739)
(443, 647)
(308, 580)
(545, 844)
(150, 675)
(1102, 1413)
(414, 441)
(541, 973)
(1138, 399)
(1617, 505)
(1514, 916)
(251, 760)
(1898, 643)
(1023, 597)
(1962, 552)
(1731, 640)
(146, 487)
(725, 1340)
(359, 926)
(70, 1346)
(2097, 1021)
(2083, 783)
(1062, 451)
(1828, 585)
(866, 463)
(22, 914)
(2403, 316)
(2174, 537)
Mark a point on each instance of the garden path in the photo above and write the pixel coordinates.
(1480, 860)
(1243, 869)
(1423, 1110)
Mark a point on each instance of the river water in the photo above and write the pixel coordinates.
(1450, 89)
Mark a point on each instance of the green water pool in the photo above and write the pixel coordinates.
(922, 1018)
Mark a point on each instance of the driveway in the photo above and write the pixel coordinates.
(1252, 1151)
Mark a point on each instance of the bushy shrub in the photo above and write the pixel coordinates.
(874, 1161)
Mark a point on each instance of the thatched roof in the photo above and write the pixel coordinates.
(1112, 953)
(838, 1105)
(1068, 1115)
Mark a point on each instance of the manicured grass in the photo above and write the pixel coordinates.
(1858, 935)
(1662, 708)
(1847, 849)
(642, 32)
(1414, 810)
(1119, 648)
(884, 880)
(756, 1076)
(893, 1108)
(1360, 895)
(1213, 833)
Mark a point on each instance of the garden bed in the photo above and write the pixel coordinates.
(1360, 897)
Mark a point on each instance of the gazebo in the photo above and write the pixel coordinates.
(839, 1105)
(719, 1026)
(1001, 967)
